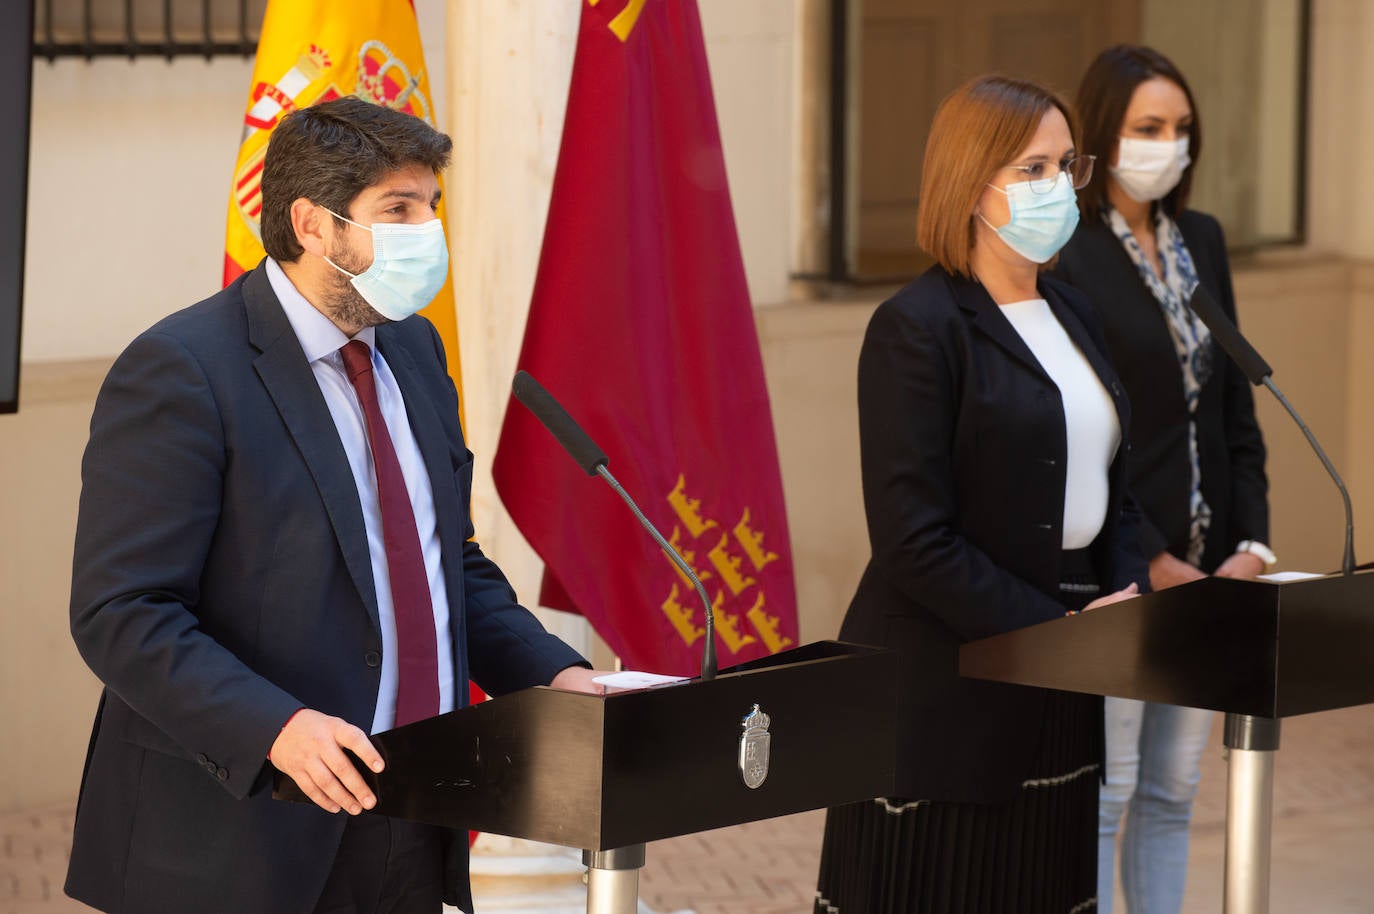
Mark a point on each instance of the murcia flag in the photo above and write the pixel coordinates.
(641, 326)
(311, 51)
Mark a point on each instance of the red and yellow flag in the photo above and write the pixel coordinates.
(641, 326)
(312, 51)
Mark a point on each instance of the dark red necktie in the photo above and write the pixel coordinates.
(417, 693)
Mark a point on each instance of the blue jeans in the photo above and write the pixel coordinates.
(1154, 754)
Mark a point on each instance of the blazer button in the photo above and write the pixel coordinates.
(1045, 526)
(1049, 461)
(201, 758)
(1116, 389)
(372, 659)
(222, 774)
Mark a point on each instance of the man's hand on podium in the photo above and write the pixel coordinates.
(579, 679)
(310, 750)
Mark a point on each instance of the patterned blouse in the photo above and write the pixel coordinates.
(1192, 340)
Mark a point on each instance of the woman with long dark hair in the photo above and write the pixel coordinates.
(1197, 468)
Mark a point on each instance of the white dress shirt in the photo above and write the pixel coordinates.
(321, 340)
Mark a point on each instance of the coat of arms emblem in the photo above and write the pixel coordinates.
(753, 748)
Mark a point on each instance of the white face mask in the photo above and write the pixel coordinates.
(1148, 170)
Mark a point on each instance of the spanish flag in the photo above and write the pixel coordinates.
(641, 326)
(312, 51)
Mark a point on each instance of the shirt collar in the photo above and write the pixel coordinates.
(318, 335)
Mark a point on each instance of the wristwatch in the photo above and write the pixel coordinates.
(1258, 549)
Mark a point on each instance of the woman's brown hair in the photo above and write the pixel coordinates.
(1104, 94)
(979, 128)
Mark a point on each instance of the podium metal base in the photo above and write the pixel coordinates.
(1250, 746)
(613, 879)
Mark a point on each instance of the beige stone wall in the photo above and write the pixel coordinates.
(47, 696)
(1358, 467)
(1340, 193)
(810, 358)
(1298, 315)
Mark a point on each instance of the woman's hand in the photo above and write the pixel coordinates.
(1131, 590)
(1244, 566)
(1167, 571)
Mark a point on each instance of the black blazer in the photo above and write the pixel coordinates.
(963, 455)
(1230, 447)
(222, 580)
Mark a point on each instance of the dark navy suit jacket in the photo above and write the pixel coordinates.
(222, 580)
(963, 451)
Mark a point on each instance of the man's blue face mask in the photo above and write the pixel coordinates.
(409, 266)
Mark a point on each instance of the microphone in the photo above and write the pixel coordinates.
(1229, 337)
(549, 411)
(593, 460)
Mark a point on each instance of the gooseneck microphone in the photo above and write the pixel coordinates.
(1229, 337)
(592, 460)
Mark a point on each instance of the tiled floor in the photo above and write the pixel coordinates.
(1323, 841)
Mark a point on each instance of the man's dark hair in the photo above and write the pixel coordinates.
(1103, 97)
(331, 152)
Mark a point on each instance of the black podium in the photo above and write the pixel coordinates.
(608, 774)
(1254, 650)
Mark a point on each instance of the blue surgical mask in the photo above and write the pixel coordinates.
(1040, 223)
(409, 267)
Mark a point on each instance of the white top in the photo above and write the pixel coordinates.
(321, 341)
(1093, 431)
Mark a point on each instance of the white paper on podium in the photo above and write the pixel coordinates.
(1283, 577)
(634, 679)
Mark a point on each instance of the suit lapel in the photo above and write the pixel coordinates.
(987, 317)
(1078, 332)
(292, 386)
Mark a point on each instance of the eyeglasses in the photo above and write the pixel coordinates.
(1044, 175)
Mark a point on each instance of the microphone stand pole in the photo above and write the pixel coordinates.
(708, 655)
(1348, 559)
(1251, 742)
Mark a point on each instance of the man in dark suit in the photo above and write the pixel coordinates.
(274, 556)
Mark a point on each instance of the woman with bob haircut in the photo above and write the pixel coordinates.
(1197, 470)
(990, 427)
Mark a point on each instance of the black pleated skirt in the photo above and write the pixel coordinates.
(1034, 855)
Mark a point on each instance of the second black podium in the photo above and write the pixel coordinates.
(1258, 651)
